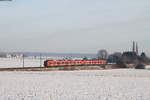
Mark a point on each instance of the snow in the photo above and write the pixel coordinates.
(118, 84)
(18, 62)
(147, 67)
(28, 61)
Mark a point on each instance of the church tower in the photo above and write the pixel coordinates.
(137, 51)
(133, 48)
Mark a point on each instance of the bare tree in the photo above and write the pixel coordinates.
(114, 57)
(102, 54)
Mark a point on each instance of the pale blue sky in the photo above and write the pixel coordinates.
(74, 26)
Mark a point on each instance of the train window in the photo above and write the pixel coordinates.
(49, 63)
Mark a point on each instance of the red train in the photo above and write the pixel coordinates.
(53, 63)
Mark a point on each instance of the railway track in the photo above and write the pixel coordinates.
(34, 68)
(60, 68)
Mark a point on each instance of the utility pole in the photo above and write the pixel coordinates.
(40, 60)
(23, 60)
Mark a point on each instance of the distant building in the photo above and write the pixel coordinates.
(18, 55)
(131, 56)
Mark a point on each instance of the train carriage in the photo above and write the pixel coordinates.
(53, 63)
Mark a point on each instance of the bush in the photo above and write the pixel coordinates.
(140, 66)
(121, 64)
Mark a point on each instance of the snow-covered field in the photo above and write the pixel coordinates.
(118, 84)
(28, 61)
(18, 62)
